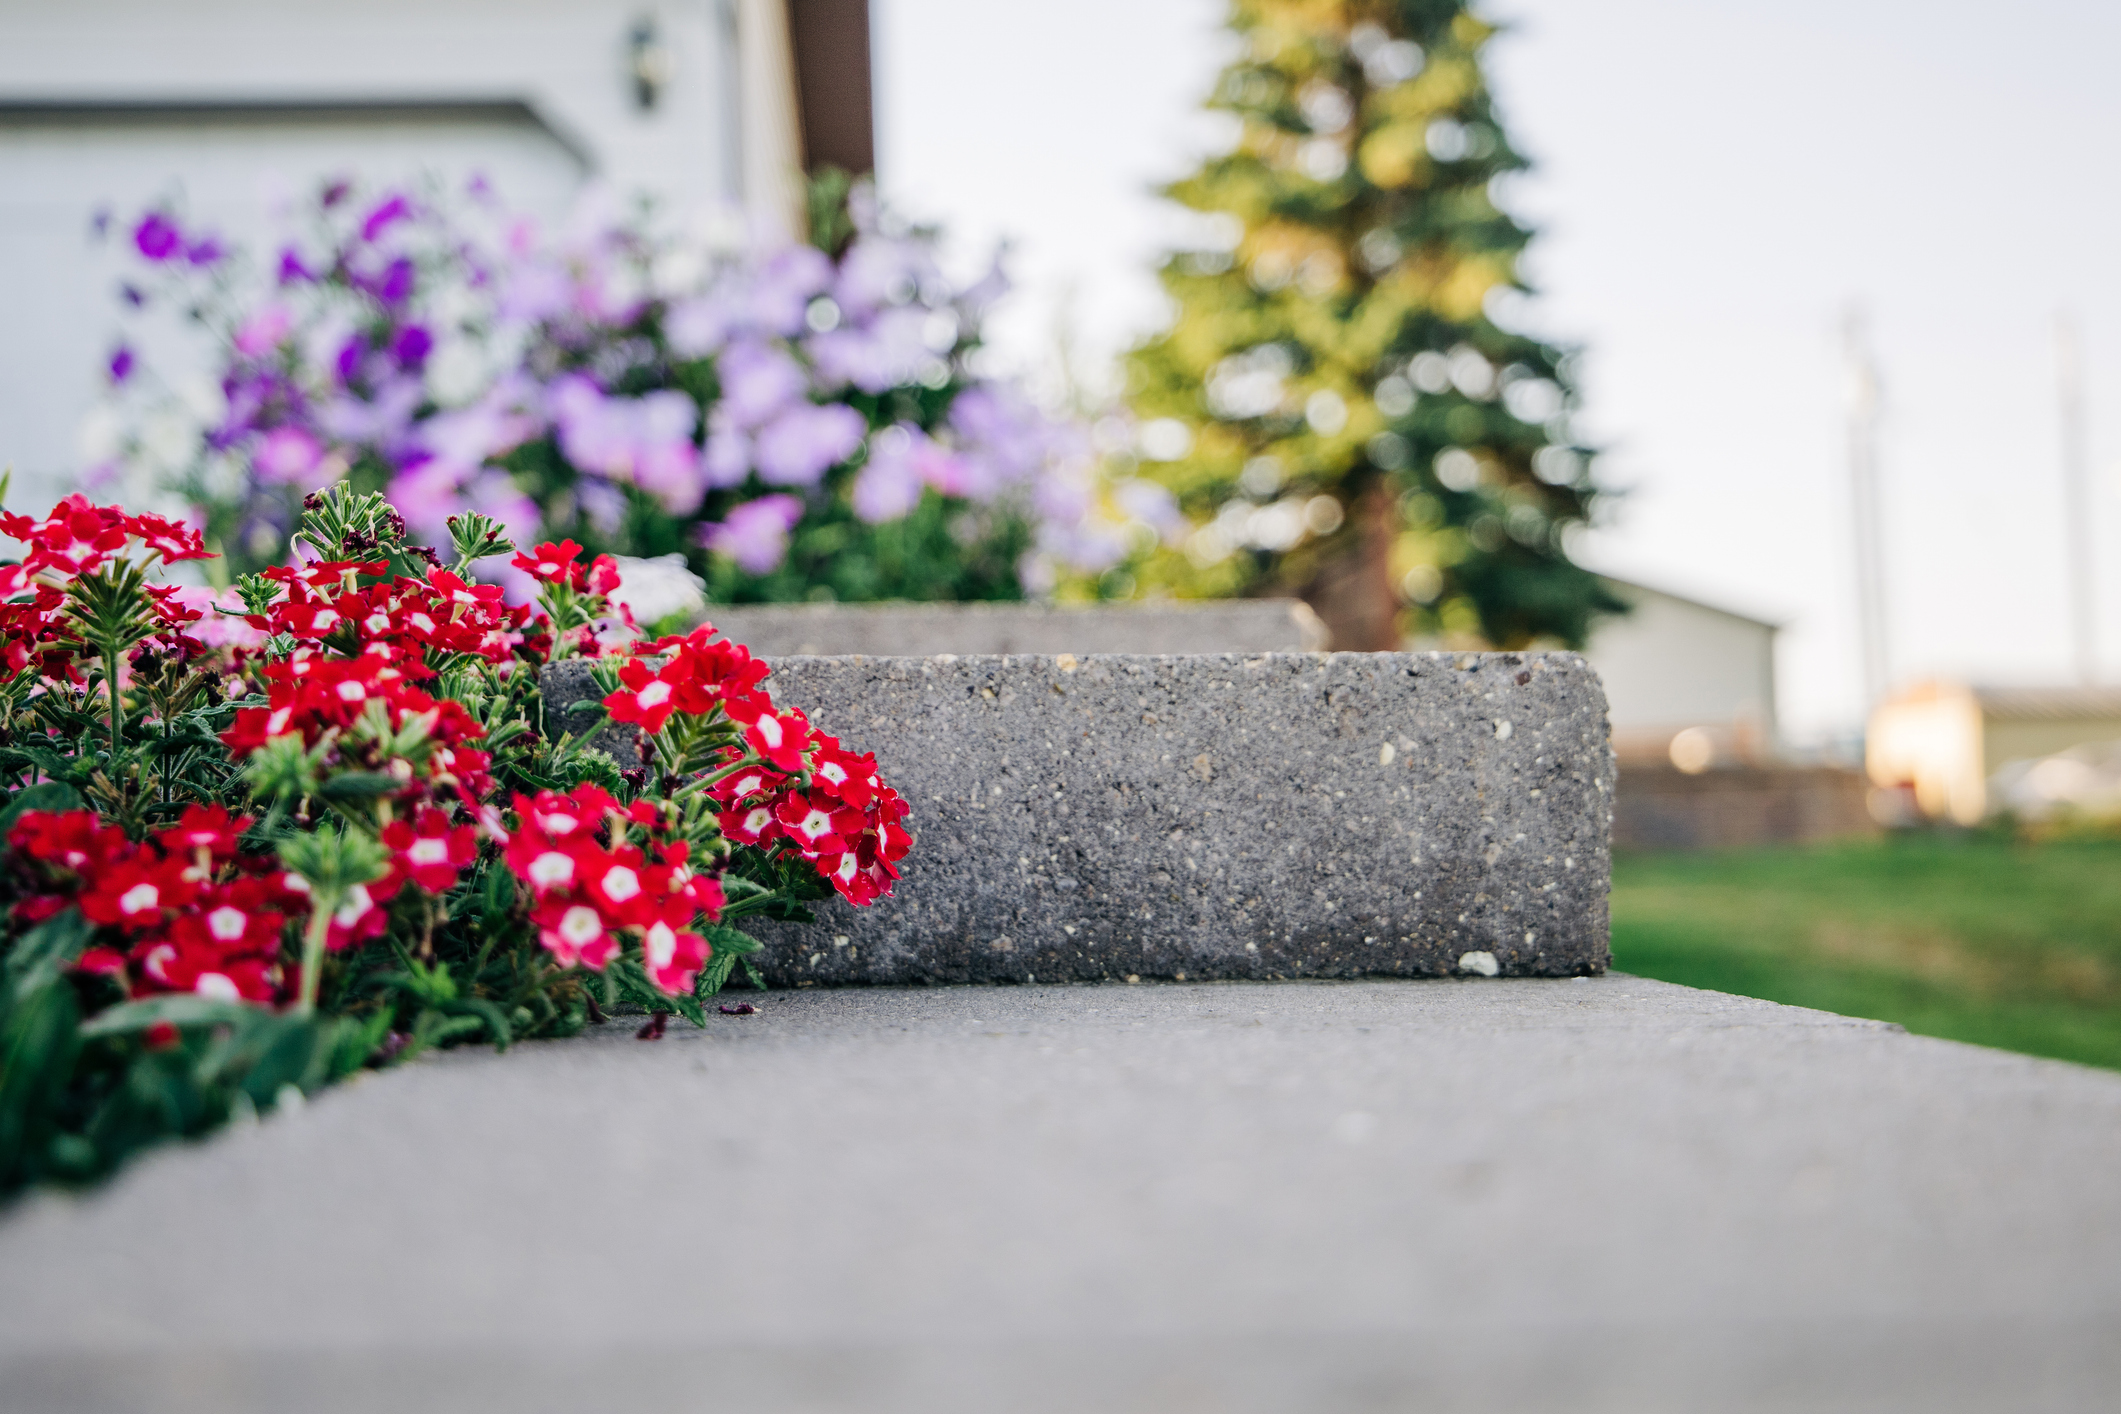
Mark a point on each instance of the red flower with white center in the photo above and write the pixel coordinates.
(751, 781)
(553, 564)
(613, 882)
(816, 824)
(673, 958)
(361, 914)
(430, 851)
(843, 774)
(753, 824)
(207, 827)
(550, 870)
(574, 933)
(71, 839)
(778, 737)
(644, 697)
(845, 873)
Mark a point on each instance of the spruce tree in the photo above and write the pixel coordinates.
(1342, 404)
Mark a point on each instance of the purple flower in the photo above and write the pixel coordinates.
(796, 448)
(755, 534)
(726, 459)
(121, 364)
(412, 345)
(387, 213)
(157, 237)
(784, 287)
(132, 294)
(291, 267)
(891, 351)
(334, 192)
(889, 483)
(646, 441)
(877, 271)
(397, 281)
(205, 251)
(288, 454)
(695, 328)
(758, 381)
(348, 361)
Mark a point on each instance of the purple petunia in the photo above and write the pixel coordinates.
(799, 446)
(121, 363)
(157, 237)
(755, 534)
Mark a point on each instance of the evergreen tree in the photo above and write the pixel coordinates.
(1337, 406)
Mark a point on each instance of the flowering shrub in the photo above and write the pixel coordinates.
(788, 418)
(339, 835)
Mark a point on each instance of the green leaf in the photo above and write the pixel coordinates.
(43, 953)
(715, 975)
(728, 939)
(179, 1010)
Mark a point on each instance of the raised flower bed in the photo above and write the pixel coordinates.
(253, 853)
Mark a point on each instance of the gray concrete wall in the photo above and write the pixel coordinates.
(1279, 815)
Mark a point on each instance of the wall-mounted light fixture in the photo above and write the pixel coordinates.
(648, 63)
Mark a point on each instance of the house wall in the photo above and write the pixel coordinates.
(1674, 664)
(2006, 741)
(227, 105)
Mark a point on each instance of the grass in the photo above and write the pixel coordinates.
(1973, 939)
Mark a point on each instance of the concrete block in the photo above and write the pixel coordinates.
(922, 630)
(1216, 816)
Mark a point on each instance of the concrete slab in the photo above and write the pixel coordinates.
(1584, 1195)
(921, 630)
(1214, 815)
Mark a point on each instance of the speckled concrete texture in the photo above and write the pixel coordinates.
(923, 630)
(1588, 1196)
(1216, 816)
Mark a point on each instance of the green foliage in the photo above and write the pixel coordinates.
(1977, 939)
(1344, 356)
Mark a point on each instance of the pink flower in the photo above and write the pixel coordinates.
(264, 331)
(288, 454)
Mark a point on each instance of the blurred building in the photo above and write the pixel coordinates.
(1941, 746)
(1687, 684)
(1691, 692)
(108, 105)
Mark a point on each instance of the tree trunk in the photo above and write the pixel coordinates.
(1352, 592)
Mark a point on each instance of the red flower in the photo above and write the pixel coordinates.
(574, 933)
(673, 958)
(816, 823)
(429, 851)
(778, 737)
(553, 564)
(750, 824)
(645, 696)
(207, 827)
(603, 575)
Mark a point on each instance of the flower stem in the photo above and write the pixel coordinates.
(313, 953)
(110, 683)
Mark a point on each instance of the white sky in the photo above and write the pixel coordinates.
(1715, 183)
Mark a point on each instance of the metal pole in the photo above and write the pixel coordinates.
(2076, 499)
(1863, 397)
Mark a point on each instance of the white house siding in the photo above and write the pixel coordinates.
(221, 105)
(1674, 663)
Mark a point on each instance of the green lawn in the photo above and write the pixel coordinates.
(1973, 939)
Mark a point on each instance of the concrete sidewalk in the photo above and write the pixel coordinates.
(1593, 1194)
